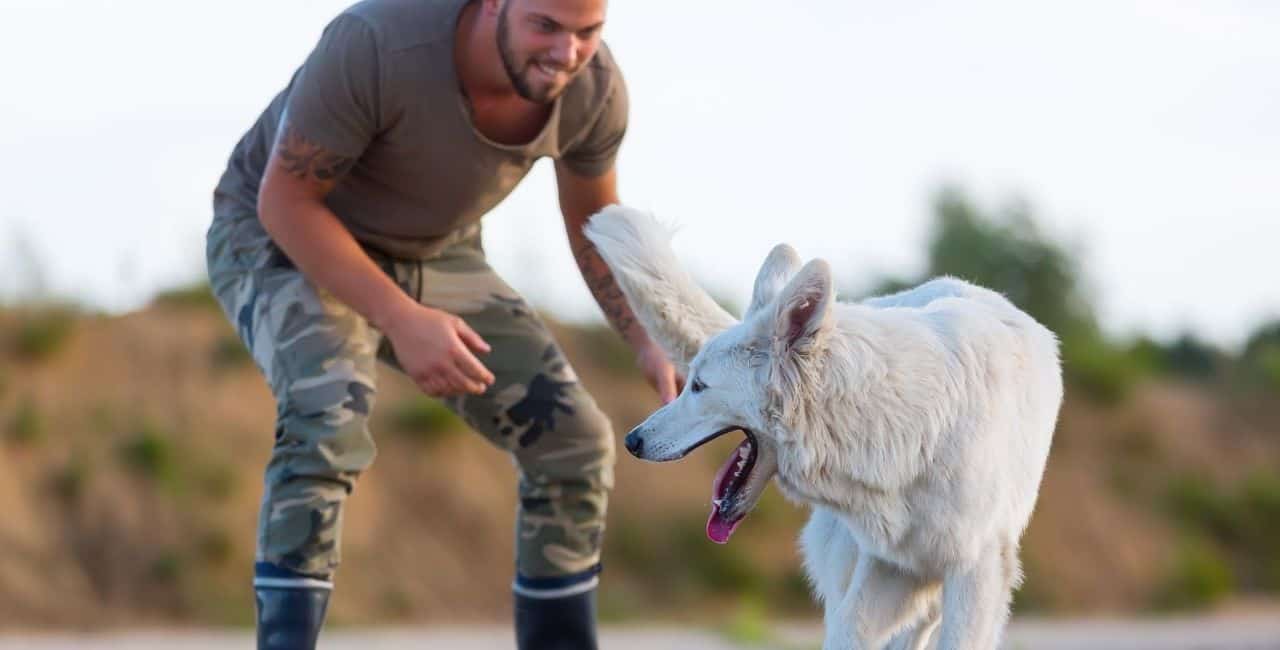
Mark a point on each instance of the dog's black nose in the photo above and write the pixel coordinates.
(635, 444)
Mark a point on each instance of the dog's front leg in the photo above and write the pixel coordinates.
(975, 605)
(918, 635)
(882, 600)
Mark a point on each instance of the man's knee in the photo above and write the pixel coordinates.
(315, 462)
(577, 453)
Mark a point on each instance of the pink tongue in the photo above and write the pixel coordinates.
(718, 527)
(719, 530)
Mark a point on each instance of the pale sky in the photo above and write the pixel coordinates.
(1145, 131)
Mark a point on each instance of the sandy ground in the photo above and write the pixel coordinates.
(1251, 633)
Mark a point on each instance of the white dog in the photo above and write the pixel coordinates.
(917, 425)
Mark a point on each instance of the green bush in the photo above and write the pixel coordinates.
(43, 333)
(230, 352)
(27, 427)
(749, 624)
(167, 567)
(215, 547)
(1266, 365)
(150, 454)
(1201, 507)
(69, 481)
(1259, 503)
(1243, 520)
(692, 565)
(1032, 596)
(1200, 576)
(712, 567)
(217, 482)
(1103, 373)
(198, 296)
(1192, 358)
(423, 418)
(1261, 356)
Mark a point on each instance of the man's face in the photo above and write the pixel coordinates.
(545, 43)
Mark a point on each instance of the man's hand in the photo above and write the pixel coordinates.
(657, 369)
(437, 350)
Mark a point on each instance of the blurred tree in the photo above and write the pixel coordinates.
(1007, 252)
(1261, 357)
(1191, 357)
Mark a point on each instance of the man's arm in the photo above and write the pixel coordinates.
(298, 176)
(433, 347)
(581, 197)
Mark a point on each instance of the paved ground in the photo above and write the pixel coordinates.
(1257, 633)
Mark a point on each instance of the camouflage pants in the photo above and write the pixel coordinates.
(319, 358)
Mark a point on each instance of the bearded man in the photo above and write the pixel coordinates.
(347, 232)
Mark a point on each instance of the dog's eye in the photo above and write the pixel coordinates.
(697, 386)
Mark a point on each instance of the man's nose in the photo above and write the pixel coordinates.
(635, 444)
(564, 51)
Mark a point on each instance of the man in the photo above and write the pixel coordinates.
(346, 232)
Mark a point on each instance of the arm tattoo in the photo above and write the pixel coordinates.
(307, 160)
(605, 289)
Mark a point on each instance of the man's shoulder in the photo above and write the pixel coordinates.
(404, 24)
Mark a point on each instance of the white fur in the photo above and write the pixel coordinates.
(916, 425)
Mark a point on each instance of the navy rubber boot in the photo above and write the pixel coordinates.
(556, 614)
(291, 607)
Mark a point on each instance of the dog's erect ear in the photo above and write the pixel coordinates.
(674, 310)
(804, 306)
(778, 268)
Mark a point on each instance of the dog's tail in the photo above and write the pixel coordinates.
(674, 310)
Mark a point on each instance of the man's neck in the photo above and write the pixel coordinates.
(476, 59)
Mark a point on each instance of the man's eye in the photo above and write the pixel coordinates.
(546, 26)
(697, 386)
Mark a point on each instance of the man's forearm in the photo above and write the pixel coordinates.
(329, 256)
(292, 210)
(606, 292)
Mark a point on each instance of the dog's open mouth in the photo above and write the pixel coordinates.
(726, 511)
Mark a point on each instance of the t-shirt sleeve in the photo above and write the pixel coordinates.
(335, 100)
(595, 153)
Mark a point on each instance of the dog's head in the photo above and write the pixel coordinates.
(739, 375)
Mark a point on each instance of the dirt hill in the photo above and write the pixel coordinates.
(133, 449)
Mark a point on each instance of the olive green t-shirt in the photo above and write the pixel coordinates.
(381, 87)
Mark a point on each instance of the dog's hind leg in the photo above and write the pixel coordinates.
(882, 600)
(975, 603)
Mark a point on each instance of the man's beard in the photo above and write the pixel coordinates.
(509, 64)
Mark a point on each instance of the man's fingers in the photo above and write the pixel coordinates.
(459, 383)
(667, 385)
(471, 339)
(468, 365)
